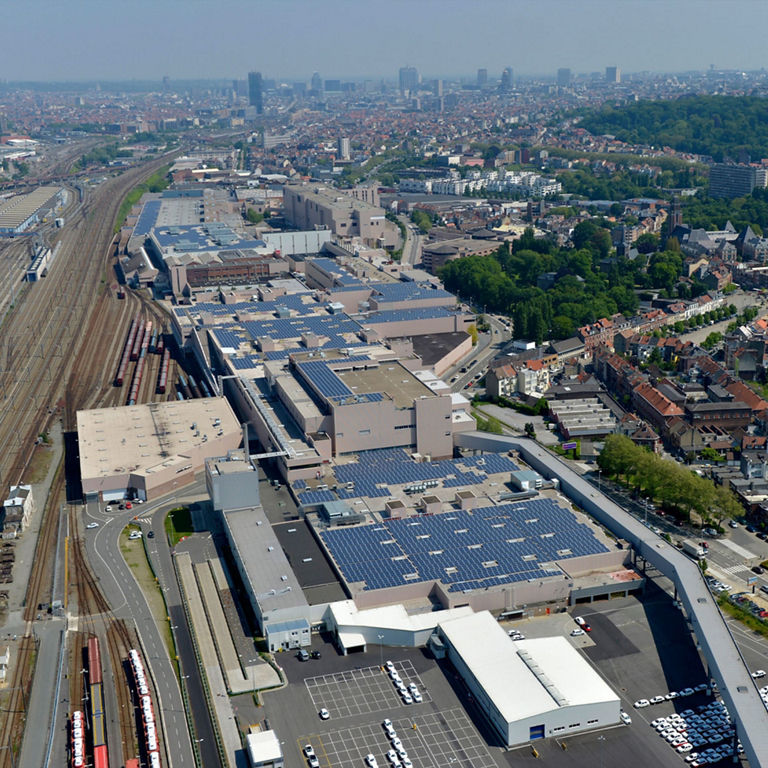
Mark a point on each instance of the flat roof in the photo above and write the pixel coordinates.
(16, 210)
(262, 557)
(391, 377)
(150, 437)
(263, 747)
(524, 678)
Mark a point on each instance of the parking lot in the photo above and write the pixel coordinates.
(430, 739)
(361, 691)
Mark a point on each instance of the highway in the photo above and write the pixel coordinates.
(127, 600)
(723, 656)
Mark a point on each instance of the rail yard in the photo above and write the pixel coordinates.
(61, 344)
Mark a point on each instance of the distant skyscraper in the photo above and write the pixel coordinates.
(612, 75)
(564, 77)
(166, 83)
(437, 88)
(482, 77)
(409, 79)
(507, 79)
(343, 148)
(317, 83)
(255, 98)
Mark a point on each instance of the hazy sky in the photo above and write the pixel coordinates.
(146, 39)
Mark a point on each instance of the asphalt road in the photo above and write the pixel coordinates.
(127, 601)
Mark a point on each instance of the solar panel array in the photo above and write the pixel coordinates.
(407, 291)
(147, 217)
(326, 381)
(394, 466)
(246, 362)
(399, 315)
(203, 238)
(332, 326)
(316, 497)
(227, 338)
(465, 549)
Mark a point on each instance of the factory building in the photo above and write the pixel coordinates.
(144, 451)
(20, 212)
(527, 689)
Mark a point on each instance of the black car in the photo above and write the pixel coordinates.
(151, 535)
(762, 535)
(315, 654)
(758, 569)
(751, 528)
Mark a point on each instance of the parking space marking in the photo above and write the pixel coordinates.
(362, 691)
(432, 741)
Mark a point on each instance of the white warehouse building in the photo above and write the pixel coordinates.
(528, 689)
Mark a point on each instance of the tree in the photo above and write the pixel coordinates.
(647, 243)
(472, 331)
(253, 216)
(530, 430)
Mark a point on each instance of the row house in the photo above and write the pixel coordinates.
(653, 406)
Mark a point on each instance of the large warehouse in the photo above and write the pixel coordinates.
(528, 689)
(144, 451)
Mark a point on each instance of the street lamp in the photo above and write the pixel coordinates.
(381, 650)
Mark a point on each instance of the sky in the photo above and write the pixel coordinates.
(290, 39)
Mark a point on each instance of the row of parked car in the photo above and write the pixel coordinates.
(397, 754)
(410, 694)
(745, 602)
(707, 728)
(640, 703)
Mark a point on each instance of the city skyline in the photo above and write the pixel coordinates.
(290, 40)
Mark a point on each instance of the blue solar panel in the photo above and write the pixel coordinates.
(147, 217)
(324, 379)
(464, 549)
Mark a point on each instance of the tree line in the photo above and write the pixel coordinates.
(675, 488)
(721, 127)
(550, 291)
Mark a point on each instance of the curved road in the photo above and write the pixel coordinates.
(128, 602)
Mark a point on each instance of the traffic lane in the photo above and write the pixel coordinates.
(114, 574)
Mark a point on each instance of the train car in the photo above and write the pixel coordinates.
(146, 339)
(179, 396)
(162, 378)
(204, 387)
(138, 375)
(183, 387)
(137, 344)
(126, 356)
(77, 740)
(153, 343)
(154, 760)
(194, 388)
(160, 344)
(100, 757)
(94, 660)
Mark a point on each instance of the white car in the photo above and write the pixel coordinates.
(407, 698)
(640, 703)
(92, 525)
(389, 665)
(393, 758)
(313, 762)
(107, 508)
(389, 728)
(309, 750)
(401, 753)
(417, 696)
(393, 674)
(577, 632)
(134, 535)
(625, 718)
(657, 700)
(371, 761)
(324, 714)
(396, 743)
(758, 673)
(407, 762)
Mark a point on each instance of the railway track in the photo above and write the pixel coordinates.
(58, 349)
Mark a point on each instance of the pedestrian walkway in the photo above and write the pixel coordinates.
(225, 719)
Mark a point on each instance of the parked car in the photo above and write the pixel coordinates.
(324, 714)
(625, 718)
(302, 655)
